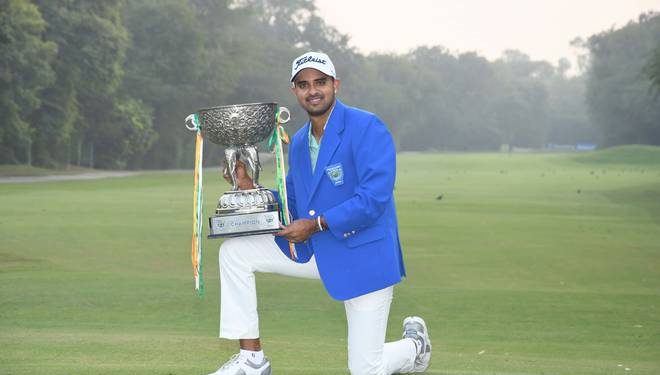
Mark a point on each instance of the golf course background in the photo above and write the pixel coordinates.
(520, 264)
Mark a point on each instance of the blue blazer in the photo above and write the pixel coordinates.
(352, 188)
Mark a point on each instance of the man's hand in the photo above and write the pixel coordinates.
(243, 179)
(299, 230)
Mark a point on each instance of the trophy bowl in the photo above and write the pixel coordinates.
(239, 124)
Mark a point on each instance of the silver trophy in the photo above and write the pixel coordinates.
(239, 128)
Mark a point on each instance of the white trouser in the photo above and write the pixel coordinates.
(368, 354)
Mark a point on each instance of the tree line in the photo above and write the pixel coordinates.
(622, 82)
(108, 83)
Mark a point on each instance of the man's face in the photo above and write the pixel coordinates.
(315, 91)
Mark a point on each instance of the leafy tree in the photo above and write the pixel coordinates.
(283, 20)
(568, 120)
(386, 76)
(127, 136)
(523, 103)
(619, 94)
(183, 56)
(653, 69)
(473, 85)
(279, 31)
(92, 44)
(24, 73)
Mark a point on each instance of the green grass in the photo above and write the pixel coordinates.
(529, 264)
(21, 170)
(631, 155)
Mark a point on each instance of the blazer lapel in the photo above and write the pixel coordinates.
(329, 143)
(305, 160)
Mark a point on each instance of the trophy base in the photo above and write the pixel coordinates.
(245, 213)
(244, 224)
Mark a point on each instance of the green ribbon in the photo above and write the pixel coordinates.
(275, 145)
(199, 206)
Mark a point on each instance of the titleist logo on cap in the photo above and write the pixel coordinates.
(309, 59)
(314, 60)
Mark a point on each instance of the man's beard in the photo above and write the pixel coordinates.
(320, 111)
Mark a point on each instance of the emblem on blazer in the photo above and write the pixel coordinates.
(336, 174)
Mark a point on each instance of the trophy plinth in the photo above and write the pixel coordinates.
(238, 128)
(245, 212)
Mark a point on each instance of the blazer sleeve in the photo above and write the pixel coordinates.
(374, 155)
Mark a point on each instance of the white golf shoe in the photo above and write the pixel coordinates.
(414, 328)
(241, 365)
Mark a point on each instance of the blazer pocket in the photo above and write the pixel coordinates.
(366, 236)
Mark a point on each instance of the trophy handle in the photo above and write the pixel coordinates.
(283, 115)
(191, 124)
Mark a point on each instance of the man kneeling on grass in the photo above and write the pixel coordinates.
(342, 167)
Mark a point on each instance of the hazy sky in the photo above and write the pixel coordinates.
(540, 28)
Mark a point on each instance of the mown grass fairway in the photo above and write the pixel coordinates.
(528, 264)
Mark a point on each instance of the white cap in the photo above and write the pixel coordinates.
(315, 60)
